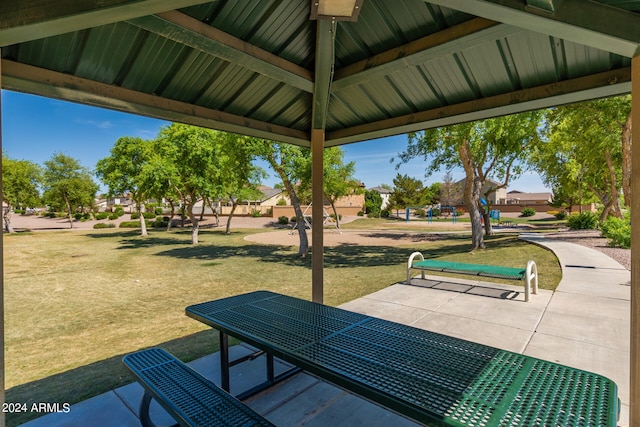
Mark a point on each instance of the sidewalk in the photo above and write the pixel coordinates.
(584, 324)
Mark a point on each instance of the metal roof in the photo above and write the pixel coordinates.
(250, 66)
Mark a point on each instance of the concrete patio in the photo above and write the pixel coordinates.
(583, 324)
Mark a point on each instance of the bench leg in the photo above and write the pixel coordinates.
(145, 416)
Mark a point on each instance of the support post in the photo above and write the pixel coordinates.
(634, 381)
(317, 215)
(2, 365)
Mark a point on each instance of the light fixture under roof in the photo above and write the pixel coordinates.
(336, 10)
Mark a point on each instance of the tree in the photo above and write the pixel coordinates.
(495, 148)
(407, 192)
(239, 176)
(372, 203)
(68, 185)
(20, 181)
(290, 163)
(587, 148)
(122, 172)
(190, 166)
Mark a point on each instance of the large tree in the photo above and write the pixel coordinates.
(407, 192)
(68, 185)
(122, 172)
(587, 151)
(20, 183)
(190, 157)
(495, 148)
(290, 163)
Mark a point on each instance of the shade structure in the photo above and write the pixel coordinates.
(264, 68)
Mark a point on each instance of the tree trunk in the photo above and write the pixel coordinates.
(472, 196)
(233, 209)
(143, 221)
(194, 225)
(302, 229)
(70, 213)
(335, 212)
(171, 214)
(626, 161)
(7, 220)
(613, 182)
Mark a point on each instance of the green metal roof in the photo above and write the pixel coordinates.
(250, 66)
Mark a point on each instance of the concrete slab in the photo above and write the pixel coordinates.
(105, 410)
(515, 314)
(411, 296)
(492, 334)
(589, 305)
(386, 310)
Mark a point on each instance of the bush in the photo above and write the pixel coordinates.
(158, 211)
(118, 212)
(360, 213)
(385, 213)
(527, 212)
(160, 222)
(583, 221)
(129, 224)
(104, 225)
(102, 215)
(255, 213)
(617, 231)
(283, 220)
(419, 212)
(135, 215)
(561, 215)
(294, 219)
(114, 216)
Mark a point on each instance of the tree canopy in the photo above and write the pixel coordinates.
(20, 186)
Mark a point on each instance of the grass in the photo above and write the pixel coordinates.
(76, 301)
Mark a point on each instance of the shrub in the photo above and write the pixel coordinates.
(118, 212)
(294, 219)
(158, 211)
(583, 221)
(102, 215)
(527, 212)
(419, 212)
(360, 213)
(255, 213)
(135, 215)
(129, 224)
(617, 231)
(149, 215)
(385, 213)
(114, 216)
(160, 223)
(104, 225)
(283, 220)
(561, 215)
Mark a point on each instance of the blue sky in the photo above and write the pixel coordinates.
(34, 128)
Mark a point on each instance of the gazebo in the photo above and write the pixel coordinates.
(321, 73)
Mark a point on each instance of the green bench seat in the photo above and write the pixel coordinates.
(529, 274)
(187, 396)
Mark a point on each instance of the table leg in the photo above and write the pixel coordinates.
(224, 361)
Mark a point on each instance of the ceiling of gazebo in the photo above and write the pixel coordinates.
(260, 67)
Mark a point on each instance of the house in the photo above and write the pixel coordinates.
(516, 197)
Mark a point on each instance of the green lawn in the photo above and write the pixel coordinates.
(76, 301)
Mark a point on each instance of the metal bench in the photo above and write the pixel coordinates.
(528, 274)
(431, 378)
(187, 396)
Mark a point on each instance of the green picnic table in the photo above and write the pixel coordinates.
(431, 378)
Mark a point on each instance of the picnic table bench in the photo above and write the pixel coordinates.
(187, 396)
(529, 274)
(431, 378)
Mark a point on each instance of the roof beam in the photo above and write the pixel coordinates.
(186, 30)
(610, 83)
(585, 22)
(38, 81)
(26, 20)
(461, 36)
(325, 39)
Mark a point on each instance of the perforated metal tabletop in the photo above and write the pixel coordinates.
(432, 378)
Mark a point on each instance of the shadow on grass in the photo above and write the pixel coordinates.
(87, 381)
